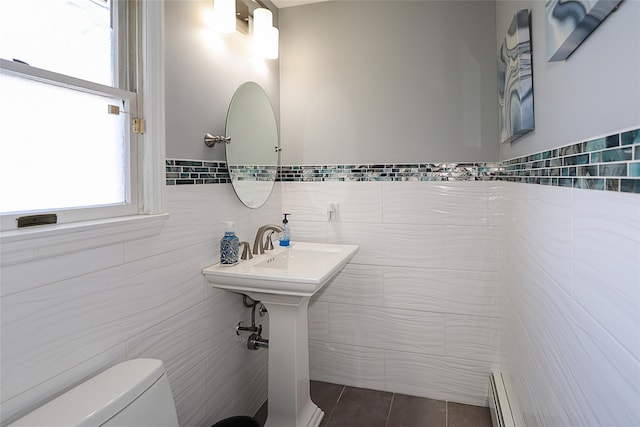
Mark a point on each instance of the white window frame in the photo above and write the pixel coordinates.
(30, 243)
(75, 214)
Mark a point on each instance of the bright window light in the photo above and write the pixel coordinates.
(72, 37)
(64, 151)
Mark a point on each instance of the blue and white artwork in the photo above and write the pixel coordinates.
(569, 23)
(515, 80)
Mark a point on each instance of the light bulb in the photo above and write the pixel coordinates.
(272, 36)
(265, 35)
(262, 21)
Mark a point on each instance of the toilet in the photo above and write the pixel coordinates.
(132, 393)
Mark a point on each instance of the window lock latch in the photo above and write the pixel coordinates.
(31, 220)
(136, 124)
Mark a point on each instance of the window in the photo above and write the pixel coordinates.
(68, 78)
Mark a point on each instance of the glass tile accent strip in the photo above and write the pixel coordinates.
(605, 163)
(608, 163)
(181, 172)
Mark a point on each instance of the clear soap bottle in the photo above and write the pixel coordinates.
(285, 236)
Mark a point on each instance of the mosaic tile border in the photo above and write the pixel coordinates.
(392, 172)
(610, 163)
(181, 172)
(253, 173)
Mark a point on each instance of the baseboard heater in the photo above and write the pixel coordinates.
(501, 415)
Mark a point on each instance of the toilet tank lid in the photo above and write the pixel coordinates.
(99, 398)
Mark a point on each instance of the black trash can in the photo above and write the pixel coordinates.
(239, 421)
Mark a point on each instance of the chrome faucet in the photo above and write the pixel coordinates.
(258, 246)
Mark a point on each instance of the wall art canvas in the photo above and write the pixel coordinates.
(569, 23)
(515, 80)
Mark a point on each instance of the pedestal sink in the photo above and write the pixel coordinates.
(283, 280)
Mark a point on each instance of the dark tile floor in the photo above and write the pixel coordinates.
(345, 406)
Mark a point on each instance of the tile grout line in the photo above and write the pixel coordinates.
(386, 422)
(330, 414)
(341, 393)
(446, 413)
(431, 411)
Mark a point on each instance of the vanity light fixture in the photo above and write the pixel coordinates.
(270, 44)
(232, 15)
(262, 19)
(265, 35)
(225, 15)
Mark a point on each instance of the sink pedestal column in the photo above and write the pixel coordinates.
(290, 404)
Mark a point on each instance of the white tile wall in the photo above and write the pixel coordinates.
(607, 264)
(358, 201)
(17, 278)
(471, 248)
(347, 364)
(543, 282)
(387, 328)
(408, 245)
(443, 291)
(472, 337)
(236, 379)
(190, 394)
(438, 203)
(66, 318)
(437, 377)
(416, 311)
(571, 344)
(318, 320)
(356, 284)
(420, 310)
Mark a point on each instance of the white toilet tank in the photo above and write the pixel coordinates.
(133, 393)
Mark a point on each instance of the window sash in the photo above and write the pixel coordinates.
(63, 80)
(131, 207)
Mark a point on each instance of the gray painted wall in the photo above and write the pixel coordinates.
(390, 81)
(595, 91)
(203, 70)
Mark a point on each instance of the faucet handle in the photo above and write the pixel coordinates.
(268, 243)
(258, 244)
(246, 251)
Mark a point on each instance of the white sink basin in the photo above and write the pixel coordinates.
(298, 270)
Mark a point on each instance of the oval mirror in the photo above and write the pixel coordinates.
(252, 154)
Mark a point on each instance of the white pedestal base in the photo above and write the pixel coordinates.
(290, 404)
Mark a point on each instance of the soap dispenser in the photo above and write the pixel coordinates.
(285, 236)
(229, 246)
